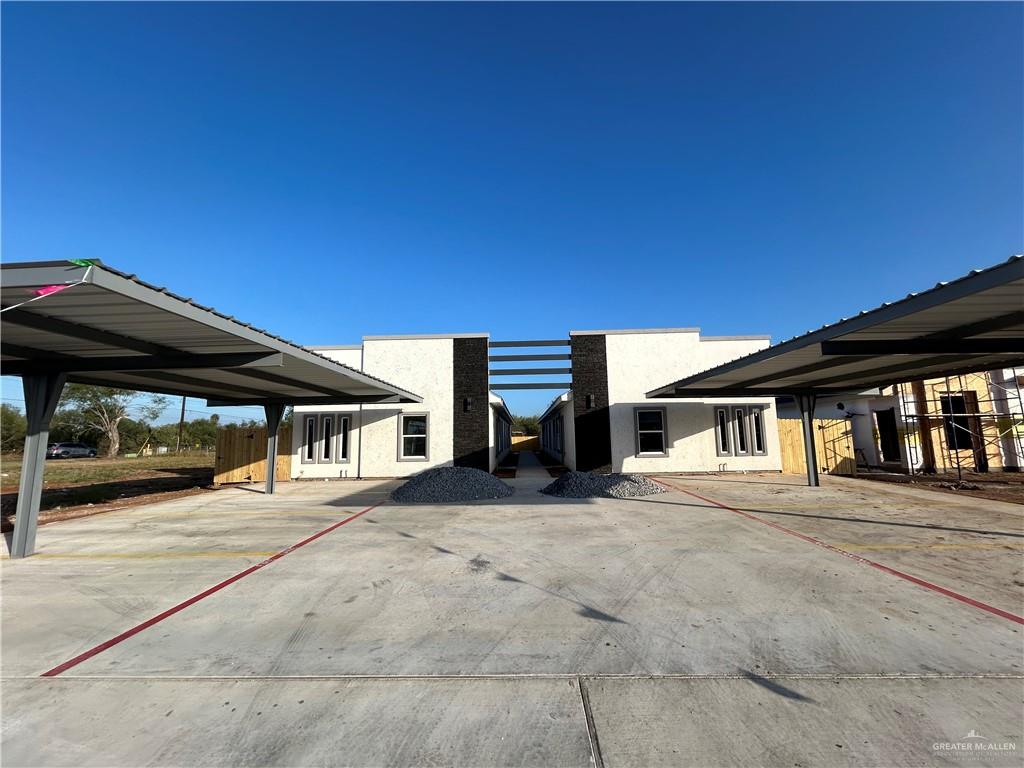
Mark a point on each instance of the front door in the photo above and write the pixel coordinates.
(888, 435)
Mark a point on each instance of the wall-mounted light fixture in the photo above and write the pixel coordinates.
(590, 402)
(467, 404)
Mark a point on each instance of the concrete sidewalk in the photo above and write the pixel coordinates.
(531, 475)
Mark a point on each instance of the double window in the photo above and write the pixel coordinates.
(413, 431)
(650, 432)
(325, 438)
(740, 430)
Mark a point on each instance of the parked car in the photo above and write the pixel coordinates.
(69, 451)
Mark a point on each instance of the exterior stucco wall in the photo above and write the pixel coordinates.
(640, 362)
(492, 453)
(561, 409)
(420, 365)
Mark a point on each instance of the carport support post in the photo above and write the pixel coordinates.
(274, 412)
(807, 403)
(42, 392)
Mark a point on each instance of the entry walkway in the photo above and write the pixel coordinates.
(531, 475)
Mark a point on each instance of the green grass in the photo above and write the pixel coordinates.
(68, 472)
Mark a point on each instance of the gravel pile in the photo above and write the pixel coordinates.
(448, 484)
(587, 485)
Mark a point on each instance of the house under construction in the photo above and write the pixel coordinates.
(972, 422)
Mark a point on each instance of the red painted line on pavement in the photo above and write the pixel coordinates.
(195, 599)
(818, 542)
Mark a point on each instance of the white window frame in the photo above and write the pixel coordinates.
(723, 430)
(341, 450)
(308, 445)
(757, 418)
(740, 429)
(401, 437)
(663, 432)
(325, 444)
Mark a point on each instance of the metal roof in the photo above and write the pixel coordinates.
(973, 323)
(105, 327)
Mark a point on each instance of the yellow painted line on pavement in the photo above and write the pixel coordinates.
(1009, 546)
(149, 555)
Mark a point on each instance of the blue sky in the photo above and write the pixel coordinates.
(328, 171)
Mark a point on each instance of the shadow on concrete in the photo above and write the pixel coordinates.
(67, 498)
(859, 520)
(715, 478)
(478, 564)
(775, 687)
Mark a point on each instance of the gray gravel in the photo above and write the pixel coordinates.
(448, 484)
(587, 485)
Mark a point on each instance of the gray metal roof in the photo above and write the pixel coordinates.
(973, 323)
(109, 328)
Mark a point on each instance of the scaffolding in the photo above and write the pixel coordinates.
(966, 422)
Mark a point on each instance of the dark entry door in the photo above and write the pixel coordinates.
(888, 434)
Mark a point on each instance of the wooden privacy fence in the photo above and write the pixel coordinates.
(833, 441)
(242, 455)
(525, 443)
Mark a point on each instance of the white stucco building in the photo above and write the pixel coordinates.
(459, 421)
(603, 423)
(606, 422)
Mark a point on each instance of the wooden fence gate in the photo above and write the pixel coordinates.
(525, 443)
(833, 442)
(242, 455)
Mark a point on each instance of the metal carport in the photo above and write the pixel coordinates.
(973, 323)
(81, 321)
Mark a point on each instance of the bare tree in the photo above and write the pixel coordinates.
(103, 408)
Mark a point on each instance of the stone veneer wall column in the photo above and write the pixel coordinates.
(470, 425)
(590, 386)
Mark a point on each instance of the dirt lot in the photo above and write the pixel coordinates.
(997, 486)
(80, 487)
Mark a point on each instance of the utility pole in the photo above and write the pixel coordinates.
(181, 425)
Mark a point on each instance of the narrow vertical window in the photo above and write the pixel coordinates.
(740, 423)
(309, 441)
(413, 436)
(757, 430)
(722, 436)
(326, 439)
(342, 454)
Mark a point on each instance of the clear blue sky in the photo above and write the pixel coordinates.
(327, 171)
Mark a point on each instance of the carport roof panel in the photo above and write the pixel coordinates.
(66, 314)
(947, 328)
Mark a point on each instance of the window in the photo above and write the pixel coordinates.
(956, 422)
(309, 441)
(740, 431)
(342, 453)
(650, 432)
(757, 430)
(739, 422)
(412, 436)
(722, 437)
(326, 439)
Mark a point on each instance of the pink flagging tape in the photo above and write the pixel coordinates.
(887, 569)
(196, 598)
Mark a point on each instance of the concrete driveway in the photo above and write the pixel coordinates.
(733, 620)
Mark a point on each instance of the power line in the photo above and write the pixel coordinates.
(257, 416)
